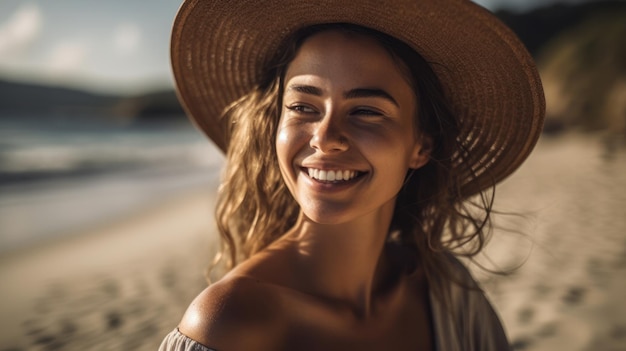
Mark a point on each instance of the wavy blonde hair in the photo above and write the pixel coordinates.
(432, 215)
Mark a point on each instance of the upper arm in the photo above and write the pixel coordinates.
(232, 315)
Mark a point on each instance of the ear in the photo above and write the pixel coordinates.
(421, 152)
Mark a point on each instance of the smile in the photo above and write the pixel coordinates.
(324, 175)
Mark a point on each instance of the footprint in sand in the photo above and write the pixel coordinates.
(521, 343)
(574, 295)
(113, 320)
(548, 330)
(618, 332)
(525, 315)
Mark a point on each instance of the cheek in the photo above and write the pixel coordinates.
(391, 155)
(282, 148)
(292, 136)
(283, 136)
(289, 141)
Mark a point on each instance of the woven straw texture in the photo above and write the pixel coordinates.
(219, 47)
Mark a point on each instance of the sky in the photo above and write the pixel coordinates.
(112, 46)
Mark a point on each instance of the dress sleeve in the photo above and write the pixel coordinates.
(176, 341)
(463, 317)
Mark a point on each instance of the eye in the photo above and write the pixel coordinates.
(364, 111)
(299, 108)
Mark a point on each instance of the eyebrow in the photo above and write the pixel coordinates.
(351, 94)
(370, 92)
(305, 89)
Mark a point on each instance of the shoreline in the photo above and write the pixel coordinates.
(41, 213)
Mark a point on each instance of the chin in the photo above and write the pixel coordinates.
(326, 216)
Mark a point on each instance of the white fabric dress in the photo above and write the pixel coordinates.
(466, 323)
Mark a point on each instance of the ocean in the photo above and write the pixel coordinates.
(64, 176)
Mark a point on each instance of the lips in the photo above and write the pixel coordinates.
(334, 175)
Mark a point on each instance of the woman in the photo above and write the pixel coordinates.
(361, 143)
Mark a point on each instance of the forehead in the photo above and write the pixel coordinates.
(347, 58)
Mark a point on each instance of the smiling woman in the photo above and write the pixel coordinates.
(347, 108)
(362, 144)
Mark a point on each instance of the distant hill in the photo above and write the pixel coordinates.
(160, 105)
(584, 74)
(537, 27)
(41, 101)
(20, 98)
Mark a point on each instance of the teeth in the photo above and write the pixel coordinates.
(348, 175)
(331, 175)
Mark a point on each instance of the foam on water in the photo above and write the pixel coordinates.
(55, 181)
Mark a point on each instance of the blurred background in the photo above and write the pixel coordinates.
(106, 190)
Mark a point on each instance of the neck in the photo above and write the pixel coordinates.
(342, 262)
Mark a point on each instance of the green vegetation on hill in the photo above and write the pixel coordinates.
(584, 73)
(537, 27)
(580, 51)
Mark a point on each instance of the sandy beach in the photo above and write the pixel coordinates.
(120, 287)
(124, 285)
(569, 235)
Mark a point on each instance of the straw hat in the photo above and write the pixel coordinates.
(219, 47)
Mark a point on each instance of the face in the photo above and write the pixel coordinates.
(347, 134)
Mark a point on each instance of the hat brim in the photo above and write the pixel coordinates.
(218, 50)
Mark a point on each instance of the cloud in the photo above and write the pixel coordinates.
(20, 30)
(67, 57)
(126, 38)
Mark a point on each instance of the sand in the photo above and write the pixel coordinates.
(123, 286)
(570, 201)
(120, 287)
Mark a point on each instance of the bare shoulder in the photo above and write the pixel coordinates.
(236, 313)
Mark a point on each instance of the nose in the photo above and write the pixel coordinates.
(328, 136)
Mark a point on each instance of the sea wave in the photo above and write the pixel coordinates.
(35, 153)
(57, 181)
